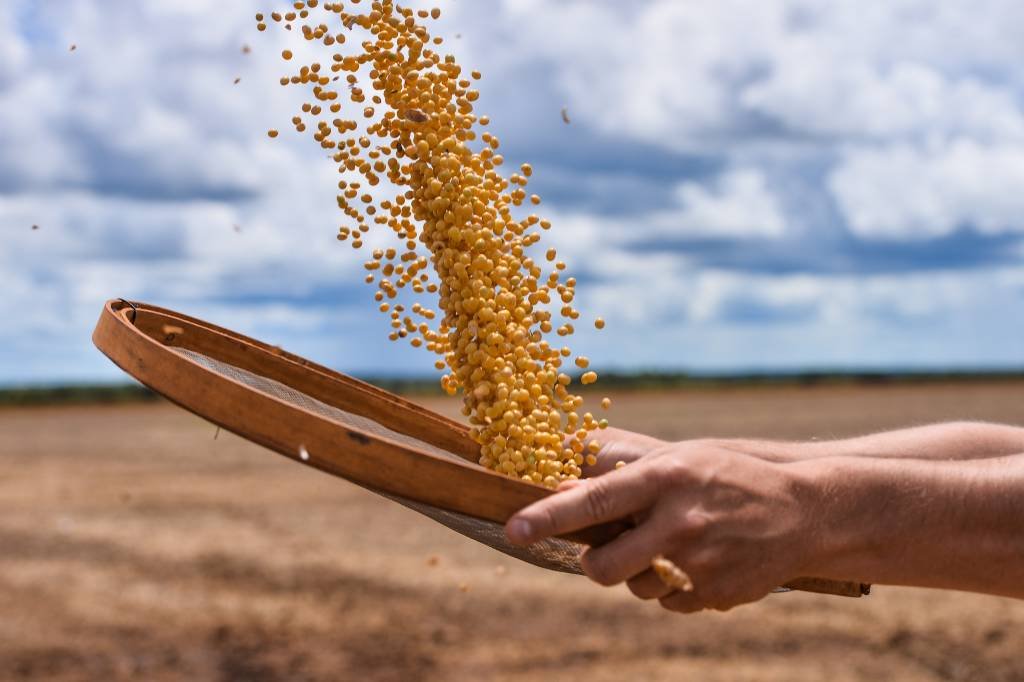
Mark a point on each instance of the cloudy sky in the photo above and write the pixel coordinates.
(778, 184)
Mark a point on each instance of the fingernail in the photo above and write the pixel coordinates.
(519, 531)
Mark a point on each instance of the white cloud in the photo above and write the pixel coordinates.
(739, 205)
(659, 71)
(13, 51)
(801, 84)
(906, 192)
(863, 100)
(686, 74)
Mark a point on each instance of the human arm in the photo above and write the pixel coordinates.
(946, 524)
(740, 525)
(943, 441)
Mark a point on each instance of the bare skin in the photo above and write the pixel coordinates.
(934, 506)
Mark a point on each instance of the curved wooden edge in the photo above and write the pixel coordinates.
(326, 385)
(279, 352)
(364, 458)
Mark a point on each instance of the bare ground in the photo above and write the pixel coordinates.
(133, 545)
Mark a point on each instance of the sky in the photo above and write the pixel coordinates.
(743, 186)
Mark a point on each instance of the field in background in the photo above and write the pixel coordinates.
(135, 545)
(429, 386)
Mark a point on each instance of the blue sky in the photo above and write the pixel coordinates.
(775, 185)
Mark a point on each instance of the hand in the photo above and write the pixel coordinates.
(736, 524)
(619, 445)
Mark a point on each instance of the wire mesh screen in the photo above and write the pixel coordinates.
(554, 554)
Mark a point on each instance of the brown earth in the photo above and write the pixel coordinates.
(135, 545)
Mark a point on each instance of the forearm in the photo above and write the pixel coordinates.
(954, 525)
(949, 441)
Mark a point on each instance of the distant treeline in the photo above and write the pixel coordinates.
(76, 395)
(131, 393)
(649, 380)
(668, 380)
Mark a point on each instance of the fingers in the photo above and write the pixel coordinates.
(568, 485)
(661, 530)
(619, 445)
(718, 591)
(629, 443)
(594, 501)
(625, 556)
(647, 585)
(682, 602)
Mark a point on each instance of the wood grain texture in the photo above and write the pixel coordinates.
(368, 459)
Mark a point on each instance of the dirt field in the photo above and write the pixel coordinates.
(133, 545)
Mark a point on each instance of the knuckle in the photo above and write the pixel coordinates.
(679, 604)
(706, 562)
(719, 596)
(727, 602)
(669, 603)
(674, 472)
(612, 450)
(643, 589)
(637, 589)
(697, 524)
(679, 534)
(597, 569)
(722, 608)
(548, 521)
(598, 499)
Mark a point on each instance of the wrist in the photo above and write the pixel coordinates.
(846, 520)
